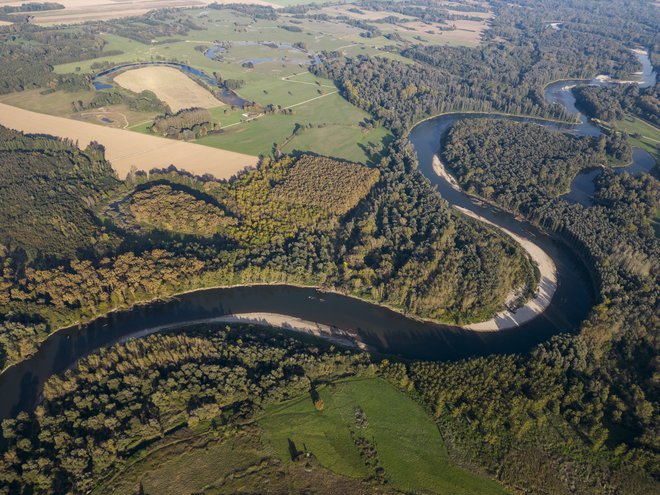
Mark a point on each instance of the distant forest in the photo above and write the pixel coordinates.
(508, 71)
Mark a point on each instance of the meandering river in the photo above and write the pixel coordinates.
(379, 328)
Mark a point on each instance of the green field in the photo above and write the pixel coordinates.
(408, 443)
(241, 460)
(650, 135)
(335, 131)
(280, 77)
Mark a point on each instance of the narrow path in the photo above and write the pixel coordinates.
(311, 99)
(288, 79)
(284, 108)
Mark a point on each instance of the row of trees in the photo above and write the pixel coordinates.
(145, 101)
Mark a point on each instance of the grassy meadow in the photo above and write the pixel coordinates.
(649, 135)
(204, 460)
(408, 444)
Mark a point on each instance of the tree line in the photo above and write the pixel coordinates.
(613, 102)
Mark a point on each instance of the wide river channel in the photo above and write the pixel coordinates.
(381, 329)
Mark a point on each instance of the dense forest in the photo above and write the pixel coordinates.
(95, 417)
(610, 363)
(47, 187)
(188, 123)
(387, 237)
(177, 210)
(517, 164)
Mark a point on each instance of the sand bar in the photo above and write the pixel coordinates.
(285, 322)
(547, 283)
(125, 149)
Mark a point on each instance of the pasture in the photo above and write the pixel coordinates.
(407, 442)
(257, 456)
(170, 85)
(641, 134)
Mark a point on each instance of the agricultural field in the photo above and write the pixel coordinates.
(291, 110)
(276, 77)
(170, 85)
(411, 29)
(328, 449)
(126, 150)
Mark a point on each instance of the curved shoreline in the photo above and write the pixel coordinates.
(497, 114)
(545, 289)
(294, 323)
(275, 320)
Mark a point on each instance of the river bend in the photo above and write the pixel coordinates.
(376, 327)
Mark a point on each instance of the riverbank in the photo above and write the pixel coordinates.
(488, 114)
(547, 284)
(285, 322)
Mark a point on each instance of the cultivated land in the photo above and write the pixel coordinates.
(466, 33)
(128, 149)
(279, 77)
(325, 123)
(170, 85)
(78, 11)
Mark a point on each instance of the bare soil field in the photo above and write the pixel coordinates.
(126, 149)
(366, 15)
(77, 11)
(466, 32)
(170, 85)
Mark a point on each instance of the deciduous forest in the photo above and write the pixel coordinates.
(577, 414)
